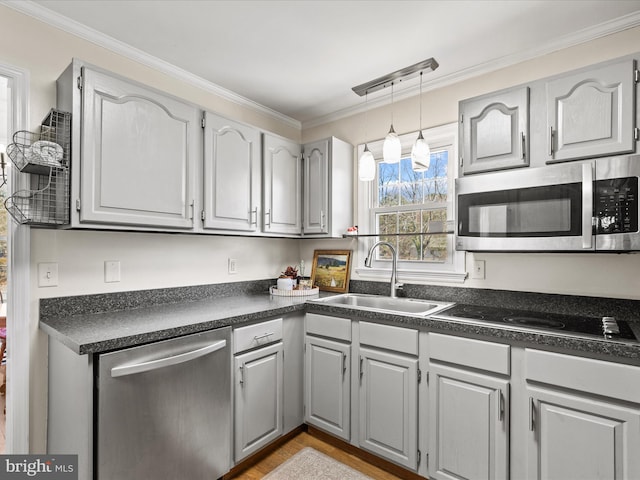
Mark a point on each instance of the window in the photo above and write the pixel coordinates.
(403, 207)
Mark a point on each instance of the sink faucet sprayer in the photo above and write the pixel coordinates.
(394, 265)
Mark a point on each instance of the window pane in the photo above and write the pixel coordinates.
(434, 247)
(411, 184)
(388, 188)
(387, 224)
(409, 247)
(436, 185)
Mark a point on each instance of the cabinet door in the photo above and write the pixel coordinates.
(232, 175)
(258, 399)
(327, 393)
(591, 113)
(316, 187)
(389, 406)
(138, 152)
(574, 437)
(282, 186)
(469, 425)
(495, 131)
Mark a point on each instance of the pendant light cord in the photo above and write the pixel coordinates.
(420, 102)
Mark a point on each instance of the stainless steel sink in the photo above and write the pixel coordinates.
(363, 301)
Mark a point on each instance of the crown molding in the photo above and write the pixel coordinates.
(592, 33)
(56, 20)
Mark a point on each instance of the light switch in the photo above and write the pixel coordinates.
(233, 265)
(478, 270)
(111, 271)
(47, 274)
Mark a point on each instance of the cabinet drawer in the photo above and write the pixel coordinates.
(327, 326)
(251, 336)
(399, 339)
(609, 379)
(489, 356)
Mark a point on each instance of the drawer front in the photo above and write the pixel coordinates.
(252, 336)
(399, 339)
(327, 326)
(489, 356)
(609, 379)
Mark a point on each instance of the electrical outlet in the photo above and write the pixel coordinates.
(47, 274)
(233, 266)
(478, 270)
(111, 271)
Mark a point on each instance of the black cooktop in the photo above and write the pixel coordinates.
(568, 324)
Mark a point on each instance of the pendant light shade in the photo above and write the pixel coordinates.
(391, 148)
(366, 166)
(420, 154)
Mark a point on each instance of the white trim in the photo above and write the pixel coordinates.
(20, 325)
(586, 35)
(54, 19)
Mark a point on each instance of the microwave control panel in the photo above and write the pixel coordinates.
(616, 205)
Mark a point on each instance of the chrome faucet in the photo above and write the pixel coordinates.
(394, 265)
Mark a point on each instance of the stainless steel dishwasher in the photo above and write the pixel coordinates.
(164, 409)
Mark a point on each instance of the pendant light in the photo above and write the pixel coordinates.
(420, 153)
(366, 162)
(391, 148)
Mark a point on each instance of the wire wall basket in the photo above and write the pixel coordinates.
(45, 157)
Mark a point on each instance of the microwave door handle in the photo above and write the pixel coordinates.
(587, 205)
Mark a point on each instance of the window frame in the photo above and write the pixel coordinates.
(453, 268)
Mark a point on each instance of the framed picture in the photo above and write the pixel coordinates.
(330, 270)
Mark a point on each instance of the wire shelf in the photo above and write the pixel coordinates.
(45, 158)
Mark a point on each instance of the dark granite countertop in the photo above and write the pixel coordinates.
(101, 332)
(100, 323)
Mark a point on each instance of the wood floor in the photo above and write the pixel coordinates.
(302, 440)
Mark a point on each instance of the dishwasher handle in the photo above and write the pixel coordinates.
(167, 361)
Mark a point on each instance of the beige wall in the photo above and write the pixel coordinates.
(162, 260)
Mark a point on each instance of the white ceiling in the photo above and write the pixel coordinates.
(301, 58)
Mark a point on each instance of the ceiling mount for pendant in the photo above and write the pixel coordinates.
(396, 77)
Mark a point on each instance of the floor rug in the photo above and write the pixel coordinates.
(310, 464)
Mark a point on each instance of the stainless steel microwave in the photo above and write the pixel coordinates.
(580, 206)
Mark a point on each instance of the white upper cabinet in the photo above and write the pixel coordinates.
(494, 131)
(138, 153)
(592, 113)
(328, 187)
(232, 175)
(282, 185)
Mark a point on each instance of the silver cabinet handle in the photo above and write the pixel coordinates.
(532, 425)
(267, 214)
(242, 374)
(257, 338)
(322, 219)
(361, 367)
(344, 364)
(500, 406)
(167, 361)
(253, 216)
(523, 143)
(551, 141)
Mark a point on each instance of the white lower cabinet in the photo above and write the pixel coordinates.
(388, 406)
(583, 418)
(469, 425)
(468, 408)
(327, 379)
(258, 388)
